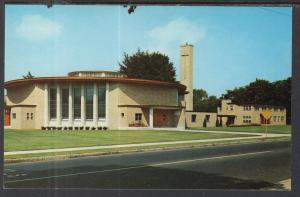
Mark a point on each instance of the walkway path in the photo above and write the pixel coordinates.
(255, 136)
(239, 132)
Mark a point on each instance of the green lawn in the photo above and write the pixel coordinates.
(285, 129)
(15, 140)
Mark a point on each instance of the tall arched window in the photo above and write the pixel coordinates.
(101, 101)
(53, 98)
(77, 102)
(89, 92)
(65, 103)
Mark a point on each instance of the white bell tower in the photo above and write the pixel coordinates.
(186, 73)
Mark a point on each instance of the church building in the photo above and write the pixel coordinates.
(89, 100)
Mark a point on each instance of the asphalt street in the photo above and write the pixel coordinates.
(243, 166)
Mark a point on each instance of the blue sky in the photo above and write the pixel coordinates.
(232, 45)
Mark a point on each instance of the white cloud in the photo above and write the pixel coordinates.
(38, 28)
(167, 38)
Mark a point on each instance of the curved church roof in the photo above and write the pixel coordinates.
(18, 82)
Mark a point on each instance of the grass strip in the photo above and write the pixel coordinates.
(96, 152)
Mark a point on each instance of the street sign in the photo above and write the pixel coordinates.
(267, 115)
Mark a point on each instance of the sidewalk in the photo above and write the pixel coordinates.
(246, 133)
(255, 136)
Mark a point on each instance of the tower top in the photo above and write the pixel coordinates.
(187, 44)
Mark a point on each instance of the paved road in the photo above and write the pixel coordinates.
(245, 166)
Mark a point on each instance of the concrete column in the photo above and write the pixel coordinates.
(46, 105)
(82, 105)
(151, 117)
(95, 105)
(71, 117)
(107, 103)
(58, 105)
(181, 119)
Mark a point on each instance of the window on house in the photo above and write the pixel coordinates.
(31, 116)
(27, 116)
(207, 117)
(164, 117)
(275, 109)
(247, 119)
(14, 115)
(77, 102)
(53, 97)
(282, 118)
(256, 108)
(194, 117)
(101, 101)
(89, 92)
(138, 117)
(231, 107)
(247, 108)
(274, 118)
(122, 114)
(269, 108)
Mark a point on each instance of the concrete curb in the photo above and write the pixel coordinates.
(79, 155)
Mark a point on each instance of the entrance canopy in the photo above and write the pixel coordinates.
(153, 106)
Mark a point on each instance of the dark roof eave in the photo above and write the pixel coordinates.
(154, 106)
(224, 115)
(20, 105)
(18, 82)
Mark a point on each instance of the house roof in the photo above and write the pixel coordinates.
(93, 71)
(19, 82)
(257, 105)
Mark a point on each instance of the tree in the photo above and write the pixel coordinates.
(200, 94)
(203, 102)
(145, 65)
(131, 8)
(28, 76)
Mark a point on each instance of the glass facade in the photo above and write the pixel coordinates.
(76, 105)
(53, 103)
(77, 102)
(101, 101)
(89, 92)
